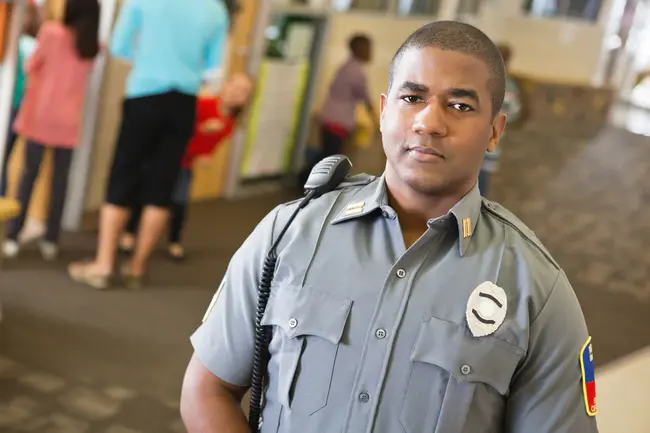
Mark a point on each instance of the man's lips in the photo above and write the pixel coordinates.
(425, 152)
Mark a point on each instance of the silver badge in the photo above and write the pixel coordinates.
(486, 309)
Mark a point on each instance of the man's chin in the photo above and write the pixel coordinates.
(425, 184)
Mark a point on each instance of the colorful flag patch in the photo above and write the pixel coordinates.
(588, 378)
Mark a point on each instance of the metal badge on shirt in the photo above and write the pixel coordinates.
(486, 309)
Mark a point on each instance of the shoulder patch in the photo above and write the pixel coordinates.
(505, 216)
(588, 378)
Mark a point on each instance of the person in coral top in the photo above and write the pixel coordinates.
(50, 114)
(215, 122)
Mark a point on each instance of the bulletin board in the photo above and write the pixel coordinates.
(274, 118)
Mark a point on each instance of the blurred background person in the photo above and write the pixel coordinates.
(50, 116)
(215, 122)
(26, 45)
(171, 44)
(512, 108)
(337, 119)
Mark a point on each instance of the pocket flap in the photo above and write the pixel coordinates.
(469, 359)
(307, 312)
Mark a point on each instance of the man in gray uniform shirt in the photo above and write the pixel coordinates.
(405, 303)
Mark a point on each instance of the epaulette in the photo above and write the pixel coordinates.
(506, 217)
(361, 179)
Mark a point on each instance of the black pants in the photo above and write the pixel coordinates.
(59, 187)
(331, 144)
(9, 146)
(154, 134)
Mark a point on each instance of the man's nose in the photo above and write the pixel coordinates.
(431, 120)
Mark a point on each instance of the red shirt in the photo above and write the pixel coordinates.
(205, 143)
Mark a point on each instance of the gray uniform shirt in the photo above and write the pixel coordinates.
(369, 336)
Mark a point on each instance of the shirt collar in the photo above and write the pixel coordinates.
(467, 212)
(373, 196)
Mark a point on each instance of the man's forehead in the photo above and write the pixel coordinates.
(431, 65)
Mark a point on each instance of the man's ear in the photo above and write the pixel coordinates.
(498, 126)
(382, 106)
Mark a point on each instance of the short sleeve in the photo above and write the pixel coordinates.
(225, 341)
(547, 392)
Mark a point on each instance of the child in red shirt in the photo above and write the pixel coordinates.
(215, 121)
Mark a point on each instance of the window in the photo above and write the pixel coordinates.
(581, 9)
(418, 7)
(360, 5)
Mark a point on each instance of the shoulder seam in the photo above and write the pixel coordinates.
(504, 221)
(550, 293)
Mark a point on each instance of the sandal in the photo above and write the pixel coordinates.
(81, 272)
(131, 281)
(176, 252)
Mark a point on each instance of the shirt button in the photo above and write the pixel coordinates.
(293, 323)
(466, 369)
(401, 273)
(380, 333)
(364, 397)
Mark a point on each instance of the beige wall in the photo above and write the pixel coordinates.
(554, 50)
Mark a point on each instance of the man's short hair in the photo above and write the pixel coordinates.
(461, 38)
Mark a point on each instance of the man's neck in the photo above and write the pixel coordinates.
(415, 209)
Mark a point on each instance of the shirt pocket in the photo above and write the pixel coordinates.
(448, 365)
(309, 326)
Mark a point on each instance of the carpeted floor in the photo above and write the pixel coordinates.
(74, 360)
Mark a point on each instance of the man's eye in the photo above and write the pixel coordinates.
(411, 99)
(459, 106)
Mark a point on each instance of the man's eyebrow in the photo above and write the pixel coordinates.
(463, 93)
(413, 87)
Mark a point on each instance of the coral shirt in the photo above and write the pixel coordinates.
(52, 109)
(204, 143)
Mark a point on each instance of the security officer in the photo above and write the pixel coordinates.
(405, 303)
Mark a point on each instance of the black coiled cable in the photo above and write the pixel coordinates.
(262, 340)
(263, 334)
